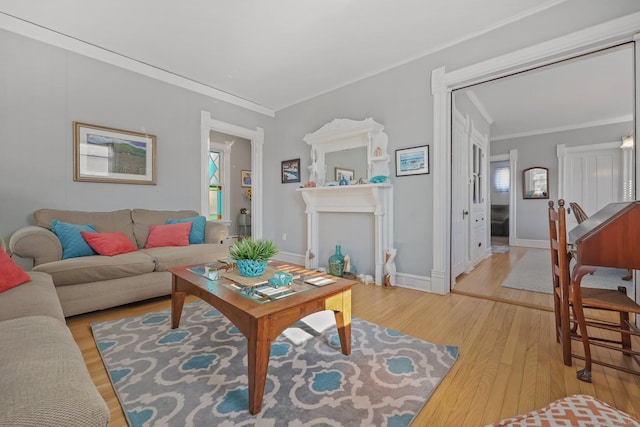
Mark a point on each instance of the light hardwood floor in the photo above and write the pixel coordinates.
(509, 362)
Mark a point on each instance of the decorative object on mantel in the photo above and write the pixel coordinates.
(251, 256)
(390, 268)
(343, 181)
(378, 179)
(412, 161)
(336, 263)
(310, 184)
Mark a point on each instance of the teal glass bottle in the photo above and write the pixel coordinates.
(336, 263)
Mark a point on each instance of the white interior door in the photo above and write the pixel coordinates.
(591, 176)
(460, 195)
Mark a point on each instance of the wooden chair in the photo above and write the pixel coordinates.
(570, 301)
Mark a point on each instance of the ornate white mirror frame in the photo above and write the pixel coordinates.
(345, 134)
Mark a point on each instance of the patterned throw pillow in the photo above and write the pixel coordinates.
(73, 245)
(168, 235)
(11, 275)
(109, 244)
(196, 236)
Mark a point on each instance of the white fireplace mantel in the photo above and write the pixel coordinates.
(376, 199)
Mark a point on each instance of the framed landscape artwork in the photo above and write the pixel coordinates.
(102, 154)
(290, 171)
(412, 161)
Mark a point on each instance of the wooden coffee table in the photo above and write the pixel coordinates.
(261, 323)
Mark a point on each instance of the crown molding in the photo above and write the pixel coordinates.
(45, 35)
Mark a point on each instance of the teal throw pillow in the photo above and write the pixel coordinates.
(196, 235)
(73, 244)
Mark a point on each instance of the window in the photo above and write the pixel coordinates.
(215, 186)
(501, 179)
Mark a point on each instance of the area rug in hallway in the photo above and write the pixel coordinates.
(533, 273)
(196, 375)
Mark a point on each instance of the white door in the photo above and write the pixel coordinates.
(591, 176)
(460, 195)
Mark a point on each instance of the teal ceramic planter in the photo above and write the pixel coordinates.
(251, 268)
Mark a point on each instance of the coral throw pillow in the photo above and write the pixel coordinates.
(109, 244)
(169, 235)
(73, 245)
(11, 275)
(196, 236)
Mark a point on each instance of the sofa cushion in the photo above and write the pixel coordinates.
(37, 297)
(196, 236)
(109, 244)
(144, 218)
(45, 381)
(95, 268)
(168, 257)
(104, 222)
(11, 275)
(73, 245)
(168, 235)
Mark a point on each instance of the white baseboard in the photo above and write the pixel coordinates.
(528, 243)
(403, 280)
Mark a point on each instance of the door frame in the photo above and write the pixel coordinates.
(607, 34)
(256, 136)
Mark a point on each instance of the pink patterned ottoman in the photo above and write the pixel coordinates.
(576, 410)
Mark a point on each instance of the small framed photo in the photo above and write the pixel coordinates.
(290, 171)
(245, 178)
(347, 174)
(412, 161)
(102, 154)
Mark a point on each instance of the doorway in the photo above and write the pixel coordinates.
(608, 116)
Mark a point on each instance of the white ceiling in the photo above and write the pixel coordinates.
(272, 52)
(590, 90)
(275, 53)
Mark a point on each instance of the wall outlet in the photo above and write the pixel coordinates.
(284, 236)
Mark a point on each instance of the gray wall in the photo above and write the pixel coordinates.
(44, 89)
(540, 150)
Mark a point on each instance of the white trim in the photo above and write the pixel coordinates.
(513, 196)
(442, 83)
(529, 243)
(207, 124)
(594, 123)
(45, 35)
(499, 158)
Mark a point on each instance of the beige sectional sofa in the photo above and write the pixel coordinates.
(96, 282)
(43, 377)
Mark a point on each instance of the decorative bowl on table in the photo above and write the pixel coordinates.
(251, 256)
(251, 267)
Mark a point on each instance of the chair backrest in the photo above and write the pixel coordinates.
(578, 212)
(560, 256)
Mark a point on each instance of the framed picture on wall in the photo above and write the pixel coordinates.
(245, 178)
(290, 171)
(412, 161)
(102, 154)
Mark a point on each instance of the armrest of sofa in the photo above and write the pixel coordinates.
(215, 232)
(37, 243)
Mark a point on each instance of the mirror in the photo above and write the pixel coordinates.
(358, 146)
(535, 183)
(353, 159)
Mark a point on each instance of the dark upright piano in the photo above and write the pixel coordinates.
(610, 237)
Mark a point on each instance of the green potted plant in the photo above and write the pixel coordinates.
(251, 256)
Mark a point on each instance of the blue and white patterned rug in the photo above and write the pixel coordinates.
(196, 375)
